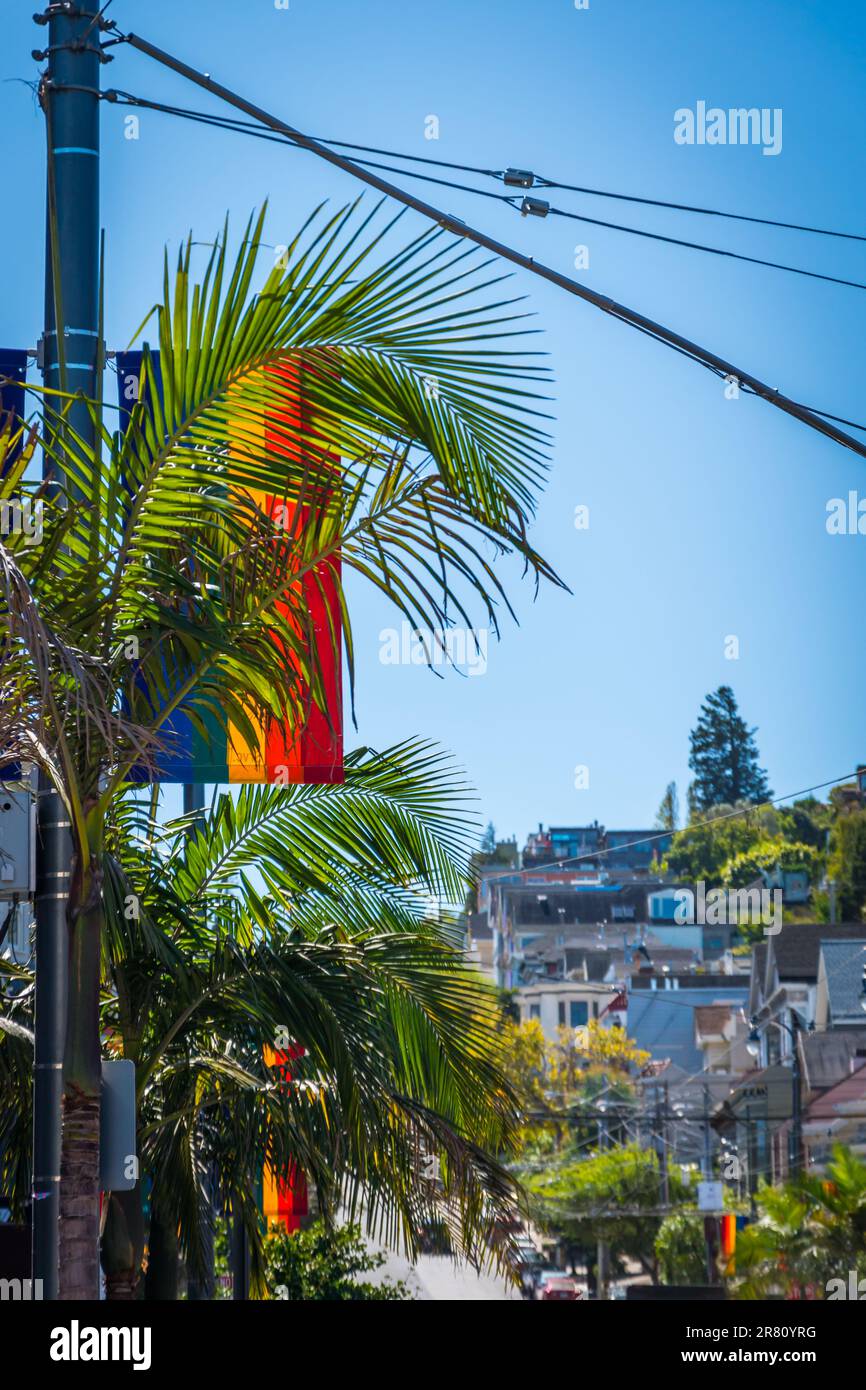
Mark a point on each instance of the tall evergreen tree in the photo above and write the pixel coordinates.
(668, 814)
(724, 756)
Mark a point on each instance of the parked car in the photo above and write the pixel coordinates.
(559, 1288)
(527, 1253)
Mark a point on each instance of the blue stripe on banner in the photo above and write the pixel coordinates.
(72, 366)
(75, 149)
(176, 762)
(128, 366)
(13, 363)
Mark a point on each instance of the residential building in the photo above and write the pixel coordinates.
(840, 995)
(559, 1004)
(784, 982)
(662, 1015)
(721, 1033)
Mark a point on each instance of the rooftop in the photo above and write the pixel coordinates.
(844, 963)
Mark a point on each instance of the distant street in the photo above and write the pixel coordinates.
(437, 1278)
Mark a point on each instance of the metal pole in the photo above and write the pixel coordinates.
(201, 1290)
(53, 854)
(71, 354)
(708, 1173)
(240, 1258)
(666, 1187)
(796, 1144)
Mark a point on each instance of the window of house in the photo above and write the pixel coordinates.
(535, 1011)
(578, 1012)
(562, 1013)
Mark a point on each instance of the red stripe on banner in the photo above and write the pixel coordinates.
(316, 753)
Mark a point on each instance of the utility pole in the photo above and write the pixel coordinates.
(709, 1222)
(71, 358)
(603, 1256)
(795, 1154)
(201, 1290)
(662, 1141)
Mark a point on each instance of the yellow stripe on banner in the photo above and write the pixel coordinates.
(247, 764)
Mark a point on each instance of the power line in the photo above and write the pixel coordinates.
(528, 179)
(458, 227)
(664, 834)
(701, 246)
(121, 98)
(706, 212)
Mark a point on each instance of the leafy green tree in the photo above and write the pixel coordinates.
(724, 755)
(322, 1265)
(702, 851)
(422, 451)
(806, 822)
(613, 1195)
(765, 856)
(681, 1249)
(847, 864)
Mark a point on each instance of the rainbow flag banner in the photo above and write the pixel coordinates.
(284, 1199)
(203, 749)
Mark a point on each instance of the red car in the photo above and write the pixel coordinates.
(559, 1288)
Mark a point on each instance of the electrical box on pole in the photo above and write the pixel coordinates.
(17, 841)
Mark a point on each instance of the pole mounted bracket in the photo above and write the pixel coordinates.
(42, 55)
(62, 9)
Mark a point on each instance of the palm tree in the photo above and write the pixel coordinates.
(809, 1231)
(395, 1041)
(421, 459)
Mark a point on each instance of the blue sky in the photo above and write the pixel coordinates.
(707, 516)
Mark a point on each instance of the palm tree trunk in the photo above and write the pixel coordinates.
(122, 1246)
(163, 1261)
(82, 1080)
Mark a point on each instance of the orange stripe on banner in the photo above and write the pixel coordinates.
(729, 1235)
(284, 1200)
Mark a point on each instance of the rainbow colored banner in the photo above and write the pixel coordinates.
(205, 751)
(284, 1200)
